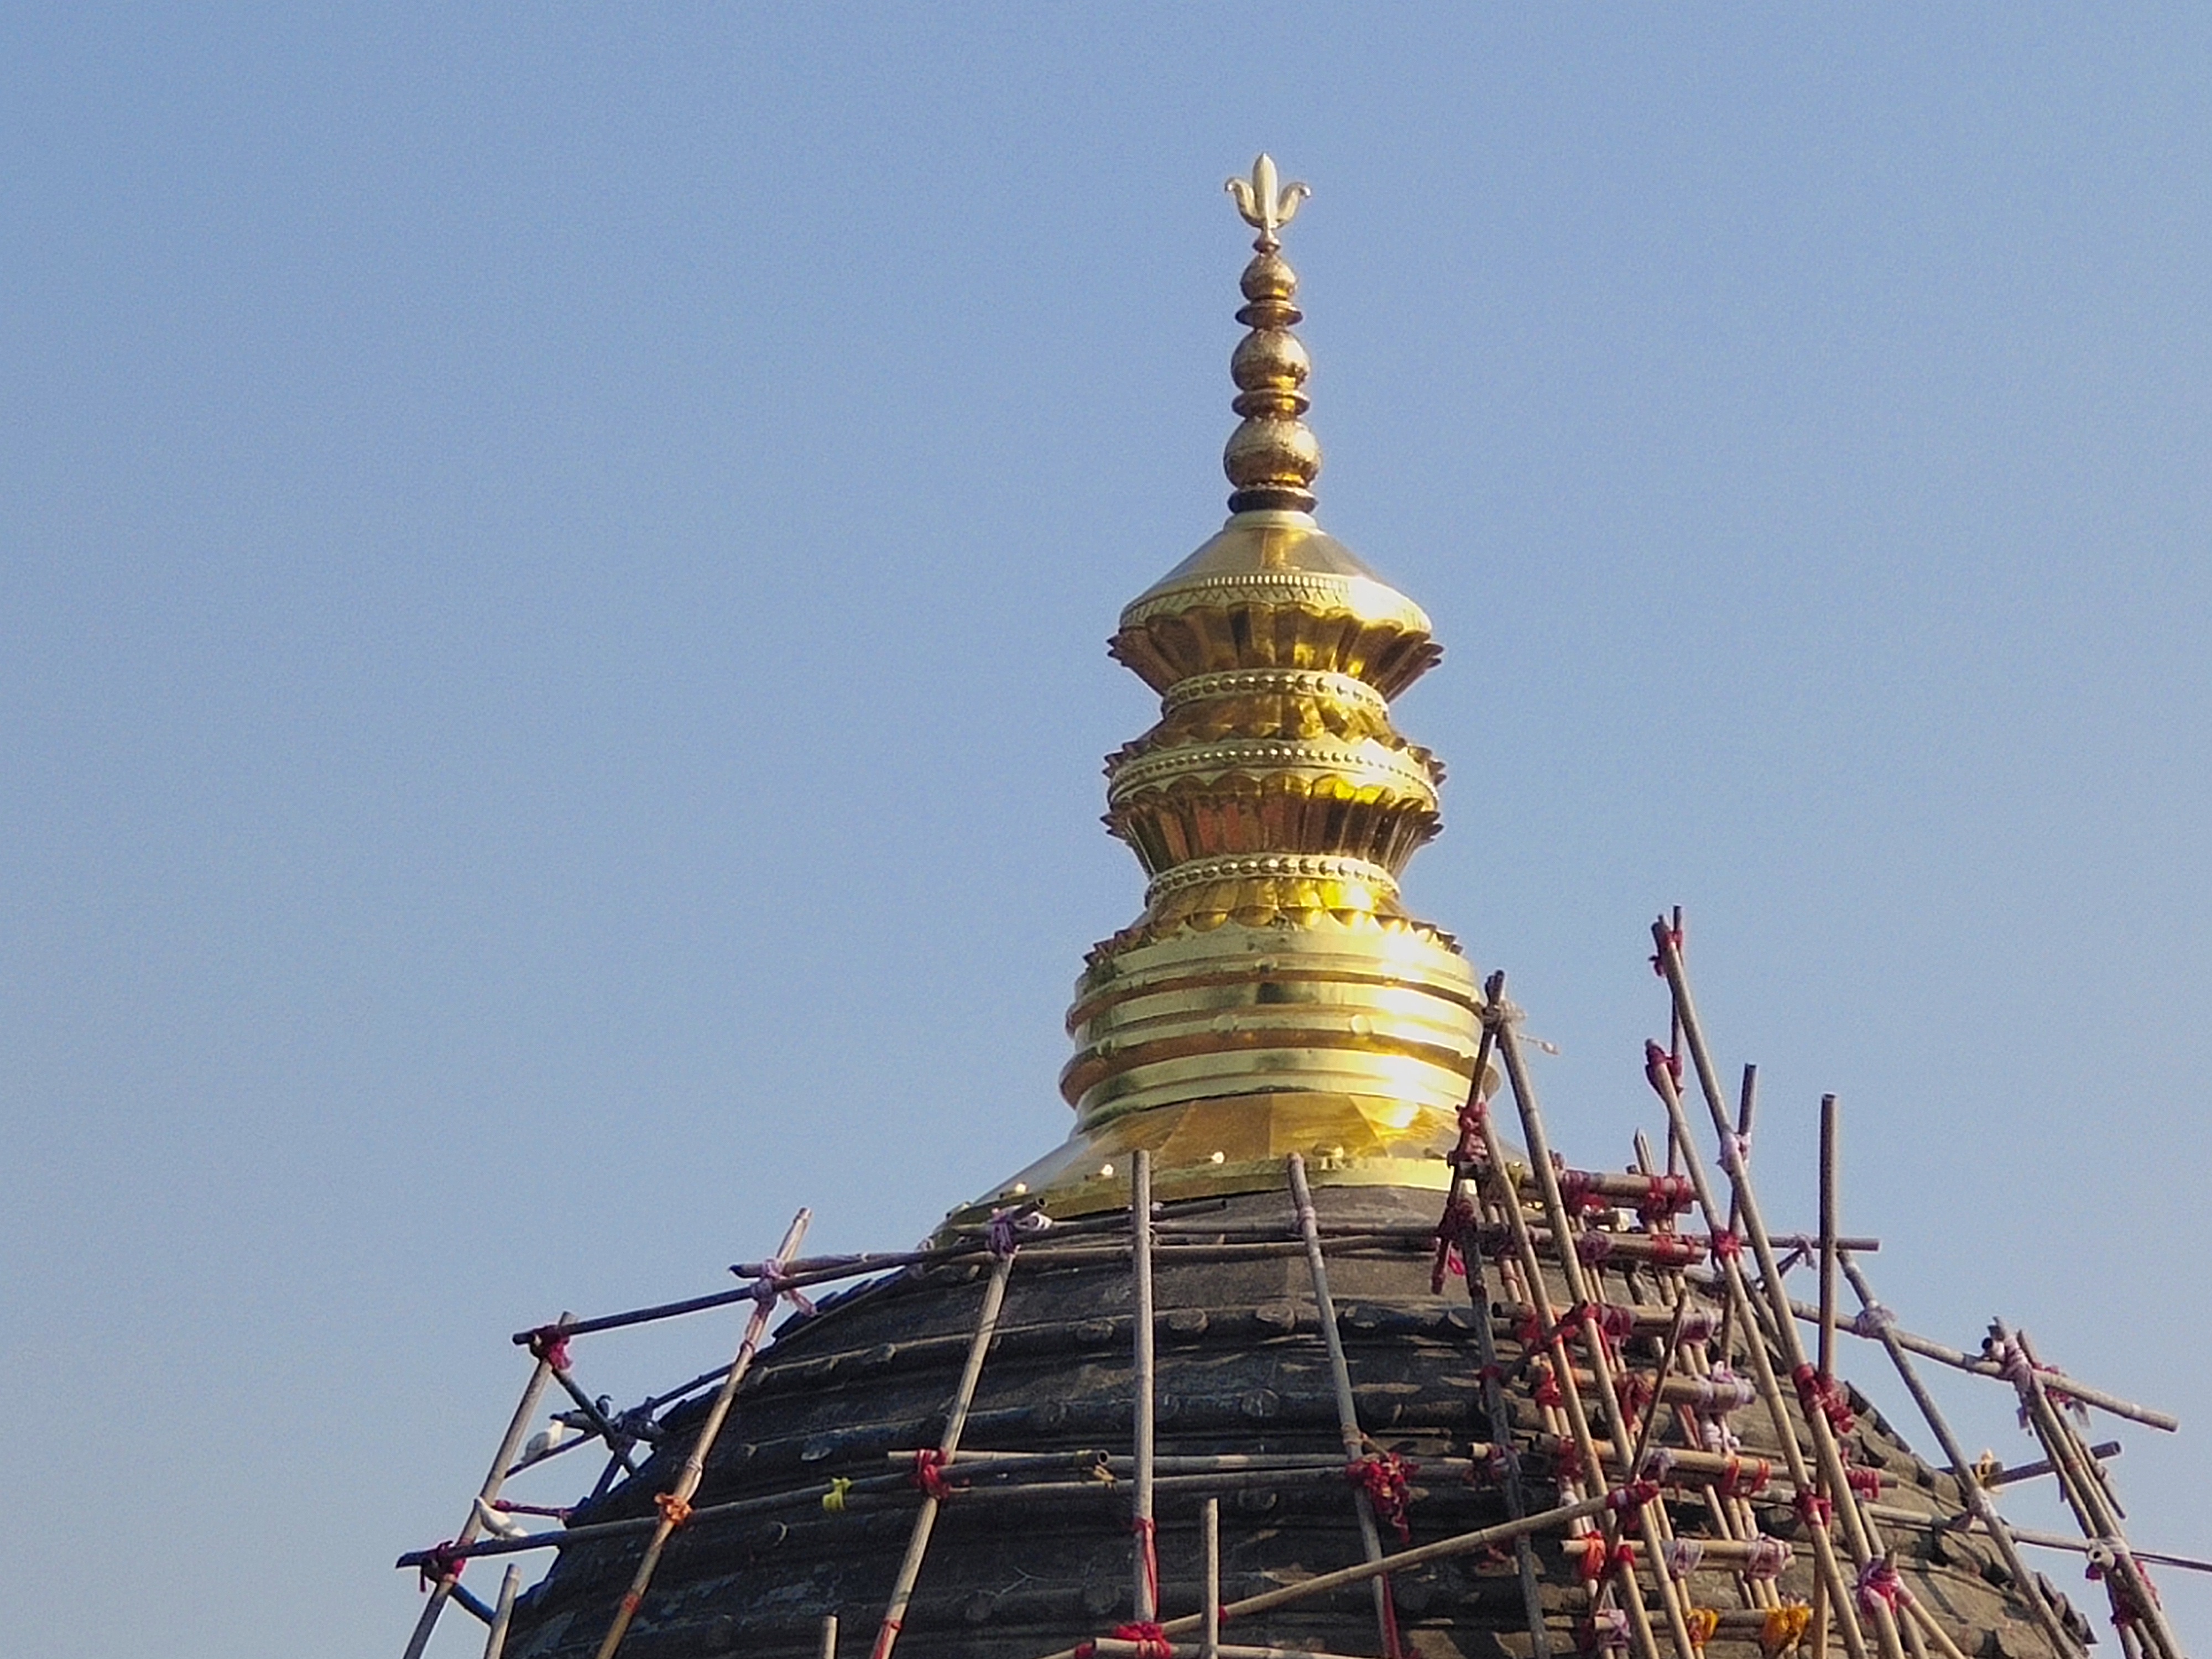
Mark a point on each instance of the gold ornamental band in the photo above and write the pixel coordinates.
(1324, 592)
(1368, 764)
(1271, 867)
(1317, 683)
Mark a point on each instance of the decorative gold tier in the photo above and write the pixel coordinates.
(1325, 1008)
(1206, 1148)
(1272, 590)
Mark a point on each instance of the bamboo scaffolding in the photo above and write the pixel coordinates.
(1578, 1232)
(1146, 1589)
(676, 1505)
(1649, 1519)
(1971, 1489)
(2091, 1504)
(1770, 1392)
(1858, 1533)
(948, 1448)
(518, 1425)
(1451, 1234)
(1505, 1200)
(1347, 1407)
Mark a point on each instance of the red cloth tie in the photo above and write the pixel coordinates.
(929, 1474)
(1387, 1479)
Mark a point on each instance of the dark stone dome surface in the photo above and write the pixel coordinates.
(1242, 1369)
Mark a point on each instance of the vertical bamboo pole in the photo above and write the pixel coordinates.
(695, 1463)
(1828, 1127)
(1746, 1103)
(1827, 1322)
(503, 1613)
(829, 1636)
(948, 1448)
(1858, 1535)
(510, 1443)
(1209, 1630)
(1147, 1568)
(1348, 1404)
(1578, 1287)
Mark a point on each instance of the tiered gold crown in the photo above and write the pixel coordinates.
(1273, 997)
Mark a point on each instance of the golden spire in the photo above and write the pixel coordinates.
(1271, 459)
(1274, 996)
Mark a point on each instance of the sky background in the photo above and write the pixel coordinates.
(554, 564)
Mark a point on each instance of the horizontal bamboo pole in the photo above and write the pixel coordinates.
(897, 1492)
(2041, 1466)
(1466, 1543)
(2057, 1381)
(2047, 1540)
(1171, 1240)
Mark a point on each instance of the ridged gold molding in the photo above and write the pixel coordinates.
(1274, 996)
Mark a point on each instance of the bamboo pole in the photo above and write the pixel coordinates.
(1977, 1499)
(605, 1427)
(2089, 1503)
(948, 1448)
(510, 1443)
(503, 1613)
(2042, 1465)
(677, 1504)
(1827, 1323)
(1858, 1535)
(828, 1649)
(1828, 1129)
(1209, 1630)
(2041, 1540)
(1146, 1569)
(1571, 1268)
(1746, 1103)
(1348, 1404)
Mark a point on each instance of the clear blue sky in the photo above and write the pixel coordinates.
(553, 567)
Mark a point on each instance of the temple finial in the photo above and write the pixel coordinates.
(1264, 206)
(1271, 459)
